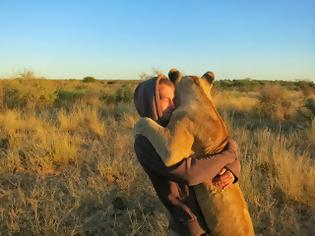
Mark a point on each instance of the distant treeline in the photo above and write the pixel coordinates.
(249, 84)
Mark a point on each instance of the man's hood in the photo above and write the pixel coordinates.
(146, 98)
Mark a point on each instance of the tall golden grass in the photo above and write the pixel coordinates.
(67, 165)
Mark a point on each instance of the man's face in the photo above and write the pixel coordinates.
(166, 101)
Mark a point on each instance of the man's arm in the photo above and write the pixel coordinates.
(228, 175)
(189, 171)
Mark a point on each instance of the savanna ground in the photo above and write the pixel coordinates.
(67, 165)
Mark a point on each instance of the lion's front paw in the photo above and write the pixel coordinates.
(141, 126)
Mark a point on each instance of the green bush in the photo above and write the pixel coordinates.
(310, 104)
(124, 95)
(89, 79)
(12, 98)
(67, 98)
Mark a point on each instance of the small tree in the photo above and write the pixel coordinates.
(27, 74)
(143, 76)
(89, 79)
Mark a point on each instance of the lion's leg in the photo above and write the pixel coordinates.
(172, 145)
(156, 134)
(225, 212)
(179, 142)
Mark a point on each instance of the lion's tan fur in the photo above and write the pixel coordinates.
(197, 128)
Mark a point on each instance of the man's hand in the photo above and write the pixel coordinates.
(223, 179)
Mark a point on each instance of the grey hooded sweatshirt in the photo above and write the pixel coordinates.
(173, 185)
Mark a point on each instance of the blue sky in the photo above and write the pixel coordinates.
(121, 39)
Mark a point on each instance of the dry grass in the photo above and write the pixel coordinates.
(278, 103)
(71, 169)
(83, 120)
(234, 100)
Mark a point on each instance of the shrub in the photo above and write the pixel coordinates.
(27, 74)
(310, 104)
(89, 79)
(276, 103)
(108, 98)
(310, 133)
(67, 98)
(244, 84)
(12, 98)
(124, 95)
(307, 87)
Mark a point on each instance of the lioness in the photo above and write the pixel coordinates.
(197, 128)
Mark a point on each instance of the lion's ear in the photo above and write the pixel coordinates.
(174, 75)
(209, 76)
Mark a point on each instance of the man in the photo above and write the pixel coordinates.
(154, 98)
